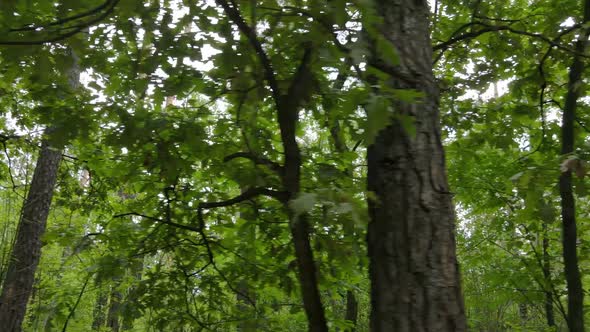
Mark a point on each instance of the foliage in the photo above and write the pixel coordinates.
(175, 113)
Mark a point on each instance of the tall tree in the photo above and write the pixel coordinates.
(26, 251)
(415, 284)
(288, 103)
(27, 247)
(575, 291)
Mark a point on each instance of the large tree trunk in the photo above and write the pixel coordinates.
(415, 284)
(27, 248)
(568, 208)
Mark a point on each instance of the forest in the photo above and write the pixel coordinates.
(294, 165)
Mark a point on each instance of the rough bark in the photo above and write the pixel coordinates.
(415, 283)
(568, 207)
(27, 247)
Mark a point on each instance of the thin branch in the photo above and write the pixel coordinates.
(233, 13)
(256, 160)
(163, 221)
(201, 231)
(64, 20)
(299, 87)
(4, 137)
(542, 101)
(491, 28)
(73, 309)
(76, 29)
(246, 195)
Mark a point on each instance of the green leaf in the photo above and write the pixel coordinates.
(303, 203)
(386, 50)
(379, 115)
(407, 122)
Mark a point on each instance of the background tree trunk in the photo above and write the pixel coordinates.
(27, 248)
(549, 315)
(114, 307)
(98, 319)
(415, 284)
(129, 312)
(575, 293)
(247, 294)
(26, 252)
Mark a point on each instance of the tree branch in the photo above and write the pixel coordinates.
(256, 160)
(109, 5)
(64, 20)
(246, 195)
(233, 13)
(163, 221)
(299, 89)
(490, 28)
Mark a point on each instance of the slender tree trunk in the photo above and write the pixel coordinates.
(49, 323)
(98, 320)
(114, 308)
(288, 104)
(568, 207)
(415, 283)
(549, 314)
(73, 308)
(288, 113)
(27, 248)
(129, 315)
(340, 147)
(352, 309)
(523, 312)
(247, 294)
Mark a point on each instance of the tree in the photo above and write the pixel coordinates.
(568, 209)
(415, 284)
(26, 251)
